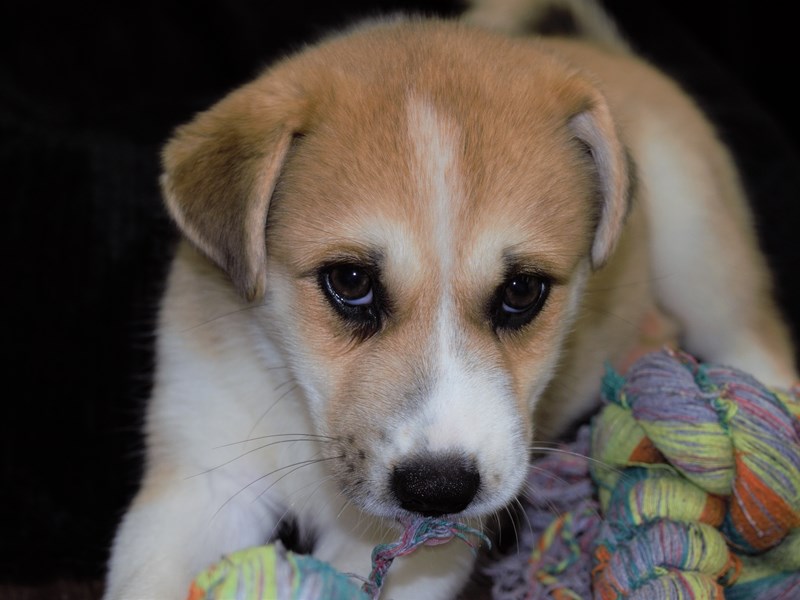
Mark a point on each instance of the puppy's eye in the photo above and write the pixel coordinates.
(355, 293)
(521, 292)
(519, 299)
(351, 284)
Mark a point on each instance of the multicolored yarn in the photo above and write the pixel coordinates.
(422, 531)
(697, 469)
(709, 498)
(556, 532)
(272, 573)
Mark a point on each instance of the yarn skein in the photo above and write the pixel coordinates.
(677, 507)
(710, 496)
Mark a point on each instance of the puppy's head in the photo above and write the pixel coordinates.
(418, 206)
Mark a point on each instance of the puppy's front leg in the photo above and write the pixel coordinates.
(178, 526)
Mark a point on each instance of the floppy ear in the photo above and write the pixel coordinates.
(220, 171)
(595, 128)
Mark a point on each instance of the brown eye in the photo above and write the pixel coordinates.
(351, 283)
(519, 300)
(354, 291)
(521, 292)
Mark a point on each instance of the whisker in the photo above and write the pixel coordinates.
(549, 474)
(289, 507)
(499, 531)
(293, 466)
(602, 463)
(280, 385)
(299, 466)
(302, 437)
(273, 405)
(550, 503)
(222, 316)
(319, 483)
(553, 507)
(243, 454)
(513, 519)
(344, 506)
(363, 525)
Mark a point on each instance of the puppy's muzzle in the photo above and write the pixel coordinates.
(435, 485)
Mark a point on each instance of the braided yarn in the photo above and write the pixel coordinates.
(422, 531)
(698, 475)
(696, 469)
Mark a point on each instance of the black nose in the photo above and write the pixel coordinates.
(437, 484)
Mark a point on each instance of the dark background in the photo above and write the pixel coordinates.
(88, 93)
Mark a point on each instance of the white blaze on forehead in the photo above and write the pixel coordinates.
(469, 409)
(434, 140)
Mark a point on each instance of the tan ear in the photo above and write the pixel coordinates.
(220, 171)
(595, 128)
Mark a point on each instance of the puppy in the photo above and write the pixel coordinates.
(410, 249)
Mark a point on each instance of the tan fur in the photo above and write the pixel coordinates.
(442, 155)
(649, 105)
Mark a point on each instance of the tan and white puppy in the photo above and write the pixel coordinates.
(410, 250)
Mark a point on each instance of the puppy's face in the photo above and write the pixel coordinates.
(424, 276)
(433, 215)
